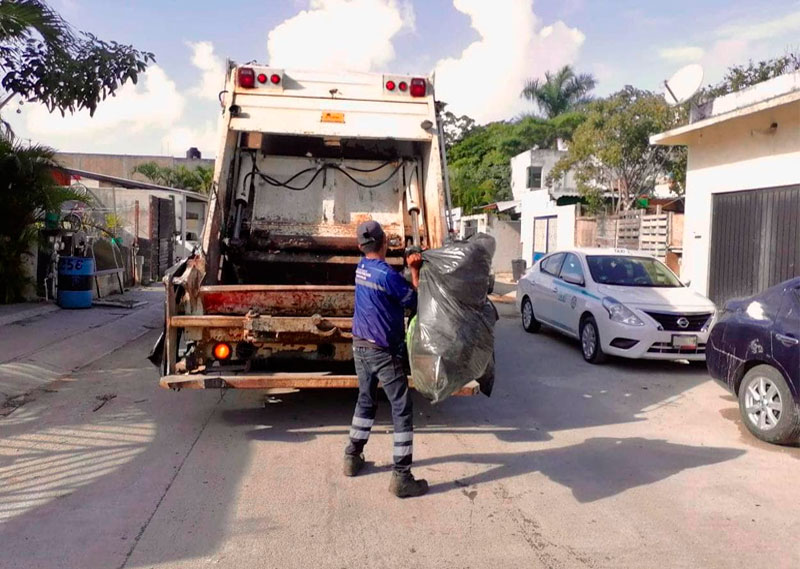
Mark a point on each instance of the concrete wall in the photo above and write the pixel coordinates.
(738, 154)
(126, 209)
(122, 165)
(507, 236)
(538, 204)
(547, 159)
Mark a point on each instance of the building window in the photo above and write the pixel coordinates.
(534, 177)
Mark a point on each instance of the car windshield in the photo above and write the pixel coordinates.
(623, 270)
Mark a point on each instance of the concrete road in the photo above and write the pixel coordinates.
(631, 464)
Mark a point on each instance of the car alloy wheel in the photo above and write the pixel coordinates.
(763, 403)
(768, 407)
(589, 340)
(527, 314)
(529, 322)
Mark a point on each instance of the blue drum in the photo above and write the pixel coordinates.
(75, 282)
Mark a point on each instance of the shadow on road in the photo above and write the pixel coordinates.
(594, 469)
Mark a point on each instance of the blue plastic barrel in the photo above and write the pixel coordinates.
(75, 282)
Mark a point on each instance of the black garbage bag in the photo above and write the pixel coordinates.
(451, 341)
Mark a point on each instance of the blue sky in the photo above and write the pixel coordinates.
(621, 42)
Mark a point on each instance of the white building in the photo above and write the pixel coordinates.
(545, 226)
(529, 171)
(742, 223)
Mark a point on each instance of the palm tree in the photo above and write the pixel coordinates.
(27, 190)
(560, 92)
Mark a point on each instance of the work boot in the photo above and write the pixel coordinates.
(353, 463)
(403, 485)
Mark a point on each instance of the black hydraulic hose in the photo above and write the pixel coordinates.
(286, 184)
(362, 184)
(368, 170)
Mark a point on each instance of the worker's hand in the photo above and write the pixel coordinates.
(414, 260)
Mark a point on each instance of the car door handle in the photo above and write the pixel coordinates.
(787, 340)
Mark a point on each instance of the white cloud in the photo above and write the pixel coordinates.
(486, 80)
(682, 54)
(213, 67)
(335, 34)
(766, 29)
(155, 101)
(150, 117)
(181, 138)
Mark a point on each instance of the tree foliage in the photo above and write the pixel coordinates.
(611, 155)
(27, 191)
(455, 128)
(43, 60)
(560, 92)
(480, 163)
(739, 77)
(198, 179)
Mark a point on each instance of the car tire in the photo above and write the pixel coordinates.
(777, 421)
(529, 321)
(591, 349)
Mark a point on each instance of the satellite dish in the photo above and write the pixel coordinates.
(685, 83)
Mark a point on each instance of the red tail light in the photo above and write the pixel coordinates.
(262, 78)
(246, 77)
(222, 351)
(275, 78)
(403, 86)
(419, 87)
(390, 85)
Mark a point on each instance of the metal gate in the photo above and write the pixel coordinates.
(755, 241)
(162, 236)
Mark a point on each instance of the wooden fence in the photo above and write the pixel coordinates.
(660, 235)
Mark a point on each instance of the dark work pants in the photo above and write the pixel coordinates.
(373, 365)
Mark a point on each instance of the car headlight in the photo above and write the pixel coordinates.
(618, 312)
(710, 322)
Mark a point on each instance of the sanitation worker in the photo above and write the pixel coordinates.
(382, 295)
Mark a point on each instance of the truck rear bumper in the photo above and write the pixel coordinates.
(276, 381)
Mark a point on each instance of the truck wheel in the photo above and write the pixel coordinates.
(529, 321)
(590, 342)
(767, 406)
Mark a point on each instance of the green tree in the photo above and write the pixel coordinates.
(198, 179)
(610, 154)
(42, 59)
(455, 128)
(480, 163)
(27, 191)
(560, 92)
(739, 77)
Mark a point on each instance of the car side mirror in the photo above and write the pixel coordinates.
(572, 279)
(688, 283)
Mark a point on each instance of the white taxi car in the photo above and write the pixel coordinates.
(616, 302)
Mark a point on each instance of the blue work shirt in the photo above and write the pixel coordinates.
(382, 294)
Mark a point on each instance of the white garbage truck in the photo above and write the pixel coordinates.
(303, 158)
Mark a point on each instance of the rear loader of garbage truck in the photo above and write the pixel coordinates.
(304, 157)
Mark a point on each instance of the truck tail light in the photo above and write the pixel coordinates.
(390, 85)
(246, 77)
(403, 86)
(222, 351)
(275, 78)
(419, 87)
(262, 77)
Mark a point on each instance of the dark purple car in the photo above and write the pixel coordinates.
(754, 349)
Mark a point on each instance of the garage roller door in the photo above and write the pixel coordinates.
(755, 241)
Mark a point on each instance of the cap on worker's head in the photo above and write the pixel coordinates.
(369, 232)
